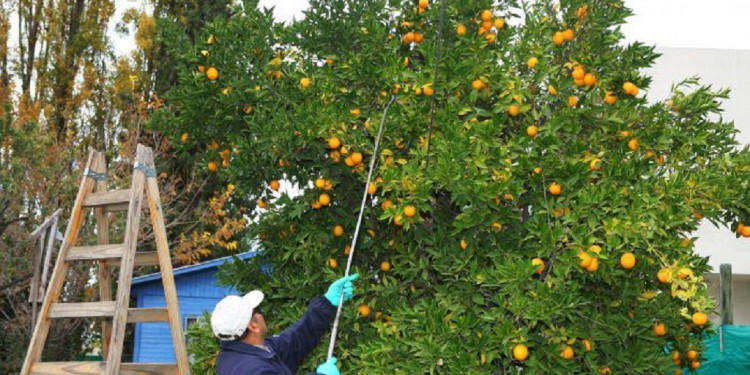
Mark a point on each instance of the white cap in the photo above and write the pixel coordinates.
(233, 313)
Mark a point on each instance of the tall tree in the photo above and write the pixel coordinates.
(531, 210)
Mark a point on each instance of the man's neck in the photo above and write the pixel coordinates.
(254, 340)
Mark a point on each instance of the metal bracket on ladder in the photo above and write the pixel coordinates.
(144, 187)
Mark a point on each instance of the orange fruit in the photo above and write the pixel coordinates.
(348, 161)
(539, 262)
(567, 352)
(630, 88)
(398, 220)
(586, 259)
(675, 355)
(408, 38)
(627, 260)
(537, 170)
(532, 131)
(610, 98)
(660, 329)
(418, 37)
(555, 189)
(740, 226)
(700, 318)
(428, 90)
(695, 365)
(385, 266)
(184, 137)
(513, 110)
(594, 265)
(578, 73)
(486, 15)
(532, 62)
(520, 352)
(461, 30)
(316, 205)
(579, 82)
(586, 344)
(691, 354)
(490, 38)
(386, 205)
(212, 166)
(274, 185)
(364, 310)
(410, 211)
(262, 204)
(589, 79)
(347, 249)
(481, 30)
(333, 263)
(338, 231)
(201, 68)
(334, 143)
(605, 371)
(324, 200)
(664, 275)
(372, 188)
(497, 225)
(551, 90)
(746, 231)
(356, 158)
(462, 244)
(212, 73)
(572, 101)
(423, 4)
(499, 23)
(477, 84)
(558, 38)
(634, 144)
(320, 183)
(568, 34)
(305, 82)
(355, 112)
(596, 249)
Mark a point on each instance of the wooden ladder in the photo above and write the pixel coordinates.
(93, 193)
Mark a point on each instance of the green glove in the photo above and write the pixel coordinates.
(328, 367)
(343, 285)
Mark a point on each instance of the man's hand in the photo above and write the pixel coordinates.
(328, 367)
(343, 285)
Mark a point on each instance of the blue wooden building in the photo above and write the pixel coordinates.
(197, 291)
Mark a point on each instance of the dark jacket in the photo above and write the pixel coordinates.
(287, 350)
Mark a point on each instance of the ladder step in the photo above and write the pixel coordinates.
(95, 368)
(105, 309)
(106, 198)
(98, 252)
(82, 310)
(146, 315)
(142, 258)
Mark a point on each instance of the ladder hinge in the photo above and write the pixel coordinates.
(148, 171)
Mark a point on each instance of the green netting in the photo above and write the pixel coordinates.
(735, 360)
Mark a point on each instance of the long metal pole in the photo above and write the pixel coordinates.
(359, 223)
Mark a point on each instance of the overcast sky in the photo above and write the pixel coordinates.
(665, 23)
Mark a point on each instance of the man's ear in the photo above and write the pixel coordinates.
(253, 325)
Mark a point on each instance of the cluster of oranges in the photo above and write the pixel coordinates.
(581, 77)
(560, 37)
(323, 199)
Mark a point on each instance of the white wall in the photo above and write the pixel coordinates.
(722, 69)
(740, 297)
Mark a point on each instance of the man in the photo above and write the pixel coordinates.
(245, 349)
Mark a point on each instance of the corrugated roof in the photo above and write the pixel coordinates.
(200, 266)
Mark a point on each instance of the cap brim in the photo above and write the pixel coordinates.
(254, 298)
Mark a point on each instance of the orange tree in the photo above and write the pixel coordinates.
(540, 223)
